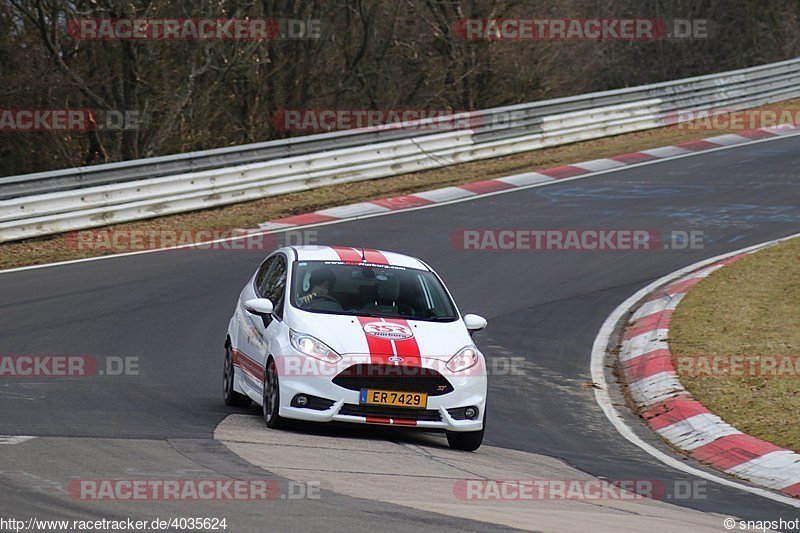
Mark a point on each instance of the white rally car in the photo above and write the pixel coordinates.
(328, 333)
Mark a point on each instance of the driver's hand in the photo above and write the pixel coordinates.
(308, 297)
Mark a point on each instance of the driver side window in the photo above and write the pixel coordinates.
(273, 285)
(261, 277)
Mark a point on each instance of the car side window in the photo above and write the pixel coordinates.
(274, 285)
(262, 275)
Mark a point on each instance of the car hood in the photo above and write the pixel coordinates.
(377, 336)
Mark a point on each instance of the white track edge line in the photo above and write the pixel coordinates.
(603, 398)
(397, 211)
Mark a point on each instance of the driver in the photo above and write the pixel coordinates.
(320, 284)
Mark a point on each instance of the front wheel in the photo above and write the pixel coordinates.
(229, 394)
(271, 398)
(468, 441)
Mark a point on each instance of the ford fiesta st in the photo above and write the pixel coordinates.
(350, 335)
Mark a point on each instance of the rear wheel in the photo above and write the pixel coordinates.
(468, 441)
(231, 397)
(271, 398)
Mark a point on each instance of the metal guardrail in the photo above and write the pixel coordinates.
(52, 202)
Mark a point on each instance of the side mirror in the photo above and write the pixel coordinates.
(259, 306)
(474, 323)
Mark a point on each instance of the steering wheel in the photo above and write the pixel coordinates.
(319, 303)
(406, 309)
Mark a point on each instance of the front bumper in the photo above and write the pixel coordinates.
(316, 379)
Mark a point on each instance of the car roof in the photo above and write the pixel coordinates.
(350, 254)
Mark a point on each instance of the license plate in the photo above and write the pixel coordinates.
(395, 398)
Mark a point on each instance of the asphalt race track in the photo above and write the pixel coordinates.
(170, 309)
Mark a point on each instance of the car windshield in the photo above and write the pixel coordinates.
(367, 289)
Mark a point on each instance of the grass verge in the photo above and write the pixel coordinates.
(748, 308)
(56, 248)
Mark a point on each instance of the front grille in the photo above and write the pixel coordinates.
(394, 378)
(402, 413)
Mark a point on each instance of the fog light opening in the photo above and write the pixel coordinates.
(471, 413)
(301, 400)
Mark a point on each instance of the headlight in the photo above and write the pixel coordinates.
(313, 347)
(466, 358)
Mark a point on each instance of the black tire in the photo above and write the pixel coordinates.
(271, 398)
(231, 397)
(467, 441)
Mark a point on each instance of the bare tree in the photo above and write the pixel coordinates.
(372, 54)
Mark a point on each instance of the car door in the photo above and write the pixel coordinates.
(251, 340)
(272, 287)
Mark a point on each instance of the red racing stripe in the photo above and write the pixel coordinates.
(248, 365)
(374, 256)
(348, 255)
(353, 255)
(378, 420)
(408, 349)
(390, 421)
(380, 350)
